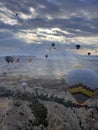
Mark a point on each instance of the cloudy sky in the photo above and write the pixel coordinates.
(32, 25)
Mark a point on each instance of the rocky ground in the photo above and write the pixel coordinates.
(44, 104)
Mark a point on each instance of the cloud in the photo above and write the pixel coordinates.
(43, 21)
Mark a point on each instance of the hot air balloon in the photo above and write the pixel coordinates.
(46, 56)
(16, 14)
(30, 59)
(82, 84)
(24, 84)
(17, 60)
(78, 46)
(9, 59)
(52, 44)
(89, 53)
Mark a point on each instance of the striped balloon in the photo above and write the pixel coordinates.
(82, 84)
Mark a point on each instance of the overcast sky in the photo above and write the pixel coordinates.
(31, 25)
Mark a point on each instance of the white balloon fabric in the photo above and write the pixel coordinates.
(86, 77)
(24, 84)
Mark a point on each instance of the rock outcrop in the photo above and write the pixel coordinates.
(44, 105)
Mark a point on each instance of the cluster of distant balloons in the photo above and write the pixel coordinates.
(11, 59)
(78, 46)
(53, 46)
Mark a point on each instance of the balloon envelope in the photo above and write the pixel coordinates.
(46, 56)
(30, 59)
(9, 59)
(89, 53)
(53, 44)
(24, 84)
(16, 14)
(78, 46)
(82, 84)
(17, 60)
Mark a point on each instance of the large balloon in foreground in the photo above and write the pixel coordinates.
(82, 84)
(78, 46)
(9, 59)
